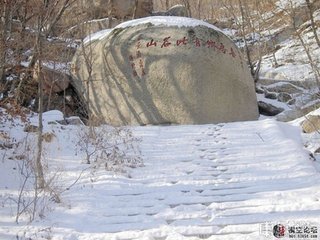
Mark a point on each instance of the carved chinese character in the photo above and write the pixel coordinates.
(151, 43)
(211, 44)
(166, 42)
(141, 63)
(130, 58)
(138, 54)
(232, 53)
(222, 48)
(134, 72)
(182, 41)
(138, 45)
(197, 42)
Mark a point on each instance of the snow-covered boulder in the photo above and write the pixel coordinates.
(160, 70)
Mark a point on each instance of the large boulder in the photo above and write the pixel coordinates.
(161, 70)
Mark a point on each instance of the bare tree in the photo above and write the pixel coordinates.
(260, 10)
(48, 14)
(290, 11)
(6, 9)
(167, 5)
(199, 9)
(40, 181)
(56, 13)
(313, 25)
(3, 36)
(245, 22)
(110, 10)
(187, 5)
(135, 8)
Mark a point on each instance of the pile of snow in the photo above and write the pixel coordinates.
(97, 36)
(168, 21)
(154, 20)
(198, 182)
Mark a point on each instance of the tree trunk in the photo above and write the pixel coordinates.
(167, 5)
(312, 63)
(313, 25)
(4, 21)
(135, 9)
(110, 11)
(199, 9)
(187, 5)
(39, 169)
(2, 58)
(57, 17)
(243, 22)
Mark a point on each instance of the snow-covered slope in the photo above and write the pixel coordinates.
(198, 182)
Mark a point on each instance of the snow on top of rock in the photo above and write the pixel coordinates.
(97, 35)
(155, 20)
(168, 21)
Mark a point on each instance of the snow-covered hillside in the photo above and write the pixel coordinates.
(224, 181)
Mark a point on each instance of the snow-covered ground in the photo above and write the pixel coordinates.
(224, 181)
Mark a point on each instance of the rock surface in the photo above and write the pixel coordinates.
(53, 81)
(150, 73)
(311, 124)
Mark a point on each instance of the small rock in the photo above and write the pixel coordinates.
(74, 121)
(284, 97)
(284, 87)
(71, 121)
(292, 102)
(268, 109)
(259, 90)
(270, 95)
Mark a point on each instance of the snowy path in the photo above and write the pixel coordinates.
(199, 182)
